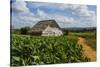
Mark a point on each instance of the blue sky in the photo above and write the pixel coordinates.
(28, 13)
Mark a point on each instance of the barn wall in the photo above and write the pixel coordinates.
(52, 32)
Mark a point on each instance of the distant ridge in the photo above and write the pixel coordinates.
(80, 29)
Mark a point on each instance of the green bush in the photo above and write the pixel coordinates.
(24, 30)
(66, 33)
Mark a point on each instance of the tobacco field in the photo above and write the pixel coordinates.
(40, 50)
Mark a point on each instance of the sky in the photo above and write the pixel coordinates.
(28, 13)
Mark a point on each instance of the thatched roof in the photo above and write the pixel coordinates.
(42, 25)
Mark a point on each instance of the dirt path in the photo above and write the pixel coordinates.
(88, 51)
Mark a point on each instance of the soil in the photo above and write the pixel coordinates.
(87, 50)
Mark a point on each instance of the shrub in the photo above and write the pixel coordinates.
(24, 30)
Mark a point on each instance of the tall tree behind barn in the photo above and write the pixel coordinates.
(46, 28)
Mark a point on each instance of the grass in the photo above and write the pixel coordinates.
(89, 36)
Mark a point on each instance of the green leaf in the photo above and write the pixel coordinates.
(16, 58)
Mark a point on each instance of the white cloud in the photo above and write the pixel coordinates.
(62, 20)
(79, 10)
(21, 15)
(24, 17)
(87, 17)
(41, 14)
(20, 6)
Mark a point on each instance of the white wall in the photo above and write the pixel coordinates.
(49, 31)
